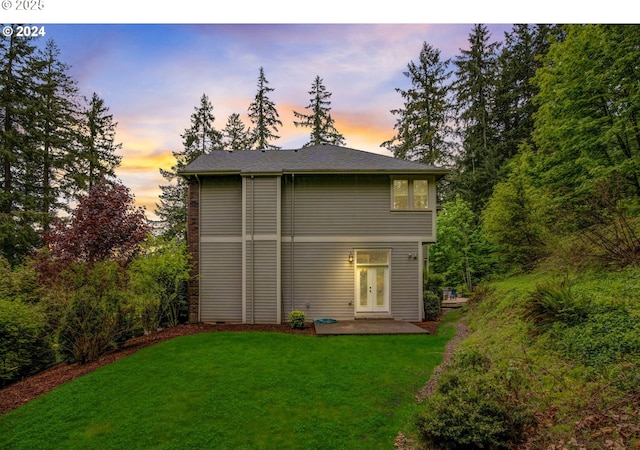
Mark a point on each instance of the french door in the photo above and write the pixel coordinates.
(372, 281)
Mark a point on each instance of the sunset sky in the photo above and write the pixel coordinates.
(152, 75)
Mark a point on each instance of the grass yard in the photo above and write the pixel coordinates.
(238, 391)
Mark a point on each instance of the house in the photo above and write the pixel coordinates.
(331, 231)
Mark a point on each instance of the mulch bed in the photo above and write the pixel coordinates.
(21, 392)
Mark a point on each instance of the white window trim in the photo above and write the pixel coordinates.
(410, 181)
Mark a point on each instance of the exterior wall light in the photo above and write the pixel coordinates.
(350, 259)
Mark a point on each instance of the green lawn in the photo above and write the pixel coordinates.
(238, 391)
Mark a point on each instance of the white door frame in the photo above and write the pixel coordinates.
(371, 308)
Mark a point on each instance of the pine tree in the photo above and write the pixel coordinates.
(200, 138)
(323, 130)
(474, 89)
(264, 116)
(236, 135)
(423, 131)
(96, 157)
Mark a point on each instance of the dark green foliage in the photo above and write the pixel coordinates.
(264, 116)
(97, 158)
(25, 345)
(433, 286)
(477, 163)
(474, 407)
(296, 319)
(323, 130)
(593, 334)
(550, 304)
(513, 218)
(423, 130)
(98, 317)
(235, 135)
(200, 138)
(157, 279)
(605, 337)
(461, 253)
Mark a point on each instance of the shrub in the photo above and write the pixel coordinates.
(97, 318)
(433, 296)
(25, 347)
(471, 413)
(548, 305)
(297, 319)
(158, 277)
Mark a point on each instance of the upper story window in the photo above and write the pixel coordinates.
(409, 194)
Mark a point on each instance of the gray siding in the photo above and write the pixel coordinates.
(221, 206)
(262, 282)
(349, 205)
(221, 282)
(404, 281)
(262, 249)
(324, 280)
(262, 200)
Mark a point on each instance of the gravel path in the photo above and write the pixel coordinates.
(462, 332)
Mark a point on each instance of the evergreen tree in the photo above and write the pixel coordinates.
(323, 130)
(474, 89)
(95, 159)
(264, 116)
(521, 55)
(236, 135)
(200, 138)
(422, 126)
(16, 56)
(53, 134)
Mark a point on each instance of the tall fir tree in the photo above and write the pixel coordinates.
(423, 130)
(16, 85)
(264, 116)
(474, 92)
(522, 54)
(16, 56)
(54, 137)
(323, 130)
(96, 158)
(236, 135)
(200, 138)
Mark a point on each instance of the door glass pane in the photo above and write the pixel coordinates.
(373, 257)
(420, 194)
(364, 287)
(380, 286)
(400, 194)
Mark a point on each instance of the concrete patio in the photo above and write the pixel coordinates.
(367, 326)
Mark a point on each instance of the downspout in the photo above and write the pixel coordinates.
(293, 206)
(199, 245)
(253, 252)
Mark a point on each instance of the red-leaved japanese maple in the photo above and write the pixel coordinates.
(105, 225)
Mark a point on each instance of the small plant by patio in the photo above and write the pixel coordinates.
(296, 319)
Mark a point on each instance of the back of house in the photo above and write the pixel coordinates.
(331, 231)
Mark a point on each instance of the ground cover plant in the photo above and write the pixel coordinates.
(238, 390)
(552, 363)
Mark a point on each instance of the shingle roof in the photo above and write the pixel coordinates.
(316, 159)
